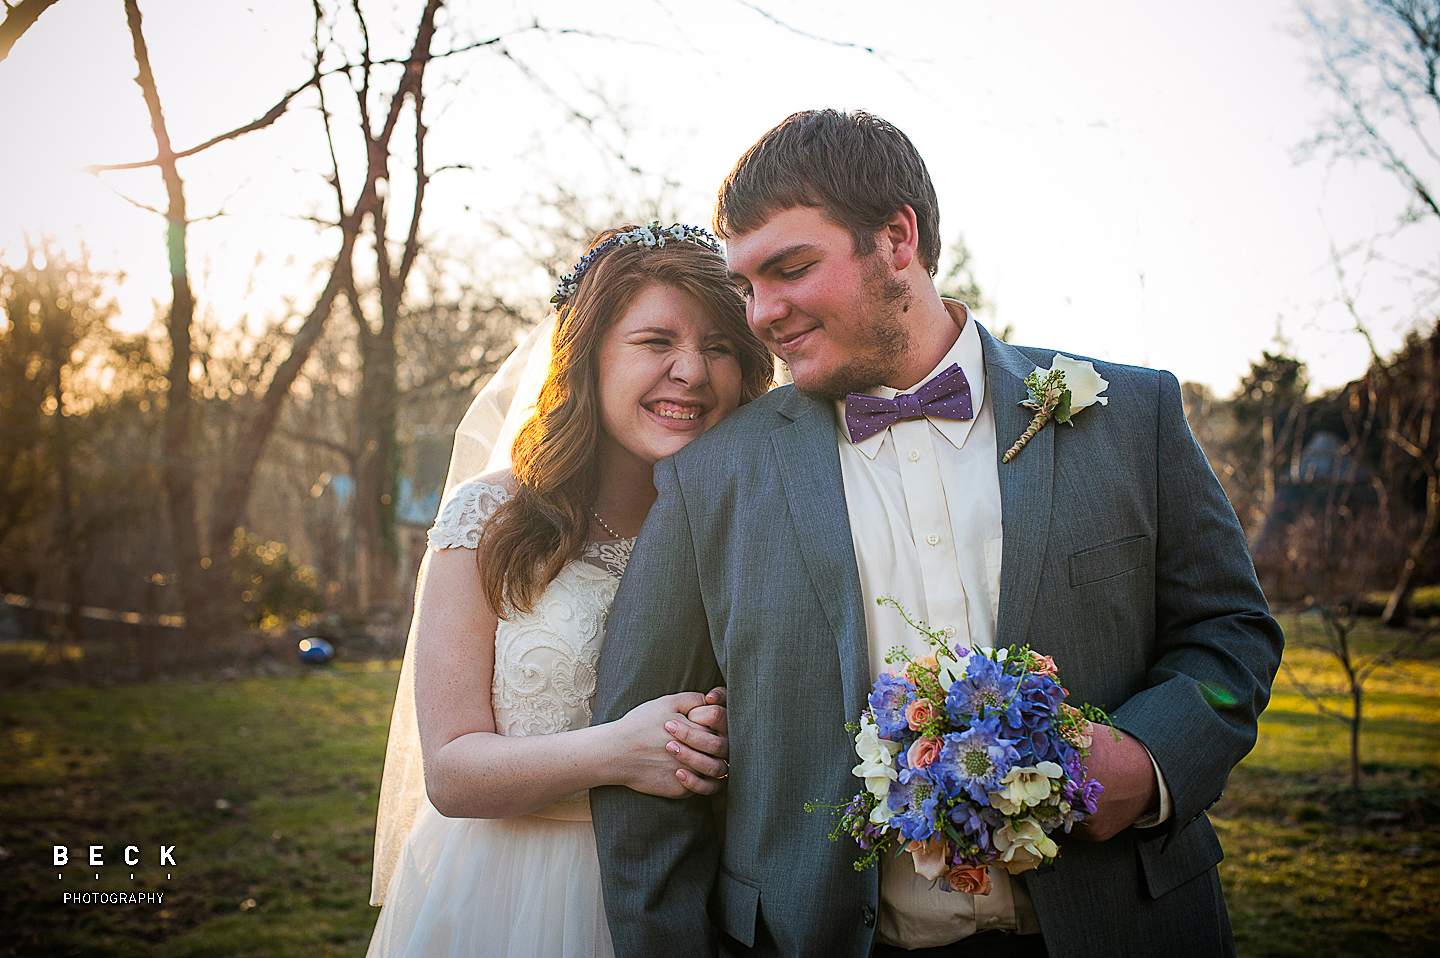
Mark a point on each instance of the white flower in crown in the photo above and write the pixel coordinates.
(650, 236)
(1067, 387)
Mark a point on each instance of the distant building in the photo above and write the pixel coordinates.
(1298, 534)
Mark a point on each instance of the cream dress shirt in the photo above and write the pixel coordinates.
(924, 504)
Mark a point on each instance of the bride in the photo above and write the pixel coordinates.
(484, 844)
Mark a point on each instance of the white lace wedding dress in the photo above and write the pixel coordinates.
(524, 887)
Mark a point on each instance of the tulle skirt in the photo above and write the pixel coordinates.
(525, 887)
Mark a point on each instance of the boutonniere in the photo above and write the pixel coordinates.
(1058, 393)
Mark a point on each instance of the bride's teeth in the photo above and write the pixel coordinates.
(676, 412)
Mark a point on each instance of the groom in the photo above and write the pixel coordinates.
(1108, 545)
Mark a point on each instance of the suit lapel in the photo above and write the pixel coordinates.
(1026, 489)
(809, 466)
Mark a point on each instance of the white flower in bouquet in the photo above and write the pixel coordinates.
(1024, 787)
(1023, 845)
(877, 760)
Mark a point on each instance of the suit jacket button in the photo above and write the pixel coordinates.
(867, 915)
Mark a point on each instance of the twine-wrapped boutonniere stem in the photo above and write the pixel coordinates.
(1049, 398)
(1053, 397)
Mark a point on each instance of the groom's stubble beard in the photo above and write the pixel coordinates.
(882, 304)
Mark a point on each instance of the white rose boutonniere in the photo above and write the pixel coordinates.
(1067, 387)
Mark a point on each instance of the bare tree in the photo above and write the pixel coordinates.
(370, 219)
(1396, 408)
(201, 576)
(1360, 512)
(1381, 59)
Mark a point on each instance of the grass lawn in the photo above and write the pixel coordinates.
(267, 789)
(1312, 869)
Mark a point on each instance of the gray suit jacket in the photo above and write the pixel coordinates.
(1122, 558)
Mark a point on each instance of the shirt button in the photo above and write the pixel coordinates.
(914, 455)
(933, 539)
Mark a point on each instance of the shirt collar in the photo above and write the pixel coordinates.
(968, 353)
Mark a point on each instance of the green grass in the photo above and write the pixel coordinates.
(266, 787)
(1311, 869)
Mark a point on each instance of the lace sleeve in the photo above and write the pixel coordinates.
(465, 513)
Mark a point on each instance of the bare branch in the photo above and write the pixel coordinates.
(271, 115)
(345, 452)
(881, 55)
(281, 107)
(133, 202)
(422, 179)
(1313, 697)
(19, 17)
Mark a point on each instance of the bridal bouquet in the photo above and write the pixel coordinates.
(971, 758)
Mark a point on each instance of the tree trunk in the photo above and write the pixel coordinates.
(238, 472)
(72, 587)
(1397, 609)
(198, 591)
(375, 480)
(377, 489)
(1355, 700)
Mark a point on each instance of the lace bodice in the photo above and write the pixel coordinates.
(546, 659)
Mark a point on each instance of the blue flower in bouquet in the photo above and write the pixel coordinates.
(971, 820)
(918, 823)
(1089, 795)
(903, 792)
(984, 686)
(1074, 772)
(974, 761)
(1043, 746)
(887, 704)
(1035, 706)
(1040, 696)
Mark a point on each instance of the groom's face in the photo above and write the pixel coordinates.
(837, 319)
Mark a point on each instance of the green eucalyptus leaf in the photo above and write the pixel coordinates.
(1062, 408)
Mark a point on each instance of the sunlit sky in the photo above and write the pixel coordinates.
(1124, 174)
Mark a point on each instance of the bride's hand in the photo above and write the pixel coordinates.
(656, 763)
(703, 743)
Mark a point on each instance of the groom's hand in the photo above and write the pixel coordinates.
(1131, 792)
(713, 714)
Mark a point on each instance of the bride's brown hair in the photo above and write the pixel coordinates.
(530, 537)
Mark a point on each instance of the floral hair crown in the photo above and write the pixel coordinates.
(651, 235)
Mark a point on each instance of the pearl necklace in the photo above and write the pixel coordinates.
(605, 525)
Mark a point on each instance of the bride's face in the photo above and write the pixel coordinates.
(667, 373)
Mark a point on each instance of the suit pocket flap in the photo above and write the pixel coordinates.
(734, 906)
(1111, 559)
(1193, 852)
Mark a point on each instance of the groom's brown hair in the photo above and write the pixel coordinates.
(854, 167)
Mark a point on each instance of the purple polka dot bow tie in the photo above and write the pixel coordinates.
(947, 396)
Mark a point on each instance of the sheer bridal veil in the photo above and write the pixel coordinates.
(482, 445)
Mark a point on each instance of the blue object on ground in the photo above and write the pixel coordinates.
(316, 651)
